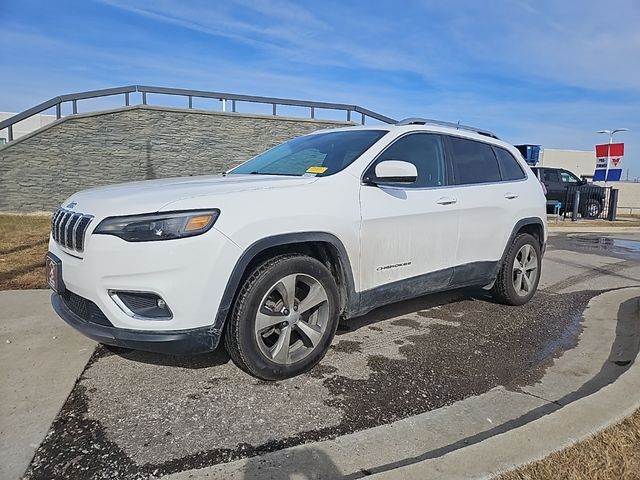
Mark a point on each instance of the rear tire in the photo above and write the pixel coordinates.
(592, 209)
(519, 273)
(284, 318)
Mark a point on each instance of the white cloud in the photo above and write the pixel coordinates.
(587, 44)
(547, 72)
(581, 44)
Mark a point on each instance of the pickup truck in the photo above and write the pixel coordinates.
(561, 184)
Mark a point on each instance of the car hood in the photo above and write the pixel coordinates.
(158, 195)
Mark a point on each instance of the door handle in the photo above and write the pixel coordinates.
(446, 201)
(510, 196)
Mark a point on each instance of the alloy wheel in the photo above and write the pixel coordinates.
(593, 210)
(525, 270)
(292, 318)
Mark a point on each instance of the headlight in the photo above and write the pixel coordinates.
(159, 226)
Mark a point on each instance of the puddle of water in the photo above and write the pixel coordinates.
(607, 244)
(568, 339)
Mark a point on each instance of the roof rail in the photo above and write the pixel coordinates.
(426, 121)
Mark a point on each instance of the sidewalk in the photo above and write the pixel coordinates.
(577, 420)
(40, 360)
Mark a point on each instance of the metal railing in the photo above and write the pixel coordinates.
(225, 98)
(594, 201)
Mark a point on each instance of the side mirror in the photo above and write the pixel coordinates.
(395, 171)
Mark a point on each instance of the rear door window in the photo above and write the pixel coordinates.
(473, 162)
(509, 166)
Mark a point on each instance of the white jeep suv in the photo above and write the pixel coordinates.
(270, 255)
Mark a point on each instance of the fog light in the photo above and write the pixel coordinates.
(142, 305)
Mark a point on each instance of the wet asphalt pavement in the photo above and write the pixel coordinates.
(618, 246)
(140, 415)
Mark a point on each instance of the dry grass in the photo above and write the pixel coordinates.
(23, 245)
(613, 454)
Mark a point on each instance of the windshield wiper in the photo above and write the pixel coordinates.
(268, 173)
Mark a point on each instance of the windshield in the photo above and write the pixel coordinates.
(321, 154)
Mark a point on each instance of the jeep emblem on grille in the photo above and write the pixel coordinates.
(72, 204)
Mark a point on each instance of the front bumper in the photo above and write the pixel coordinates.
(189, 274)
(177, 342)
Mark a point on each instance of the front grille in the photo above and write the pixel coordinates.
(68, 228)
(85, 309)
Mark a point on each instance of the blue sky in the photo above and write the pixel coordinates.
(548, 72)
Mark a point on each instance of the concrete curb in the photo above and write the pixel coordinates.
(575, 421)
(490, 433)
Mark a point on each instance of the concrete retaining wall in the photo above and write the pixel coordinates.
(628, 198)
(39, 170)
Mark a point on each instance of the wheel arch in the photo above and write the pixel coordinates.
(323, 246)
(531, 225)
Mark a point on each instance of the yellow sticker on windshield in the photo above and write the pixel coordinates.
(317, 169)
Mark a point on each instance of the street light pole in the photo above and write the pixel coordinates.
(610, 132)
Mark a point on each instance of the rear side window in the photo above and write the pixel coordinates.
(509, 166)
(426, 152)
(474, 162)
(550, 175)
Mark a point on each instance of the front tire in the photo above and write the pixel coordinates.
(284, 318)
(519, 274)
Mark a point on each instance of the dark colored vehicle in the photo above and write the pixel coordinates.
(561, 185)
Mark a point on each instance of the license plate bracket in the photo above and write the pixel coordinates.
(53, 268)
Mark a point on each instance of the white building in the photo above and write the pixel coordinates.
(580, 162)
(25, 126)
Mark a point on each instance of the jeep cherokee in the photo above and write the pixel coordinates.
(270, 255)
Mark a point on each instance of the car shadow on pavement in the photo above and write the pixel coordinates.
(308, 463)
(220, 356)
(202, 360)
(407, 307)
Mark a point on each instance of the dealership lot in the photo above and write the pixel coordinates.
(135, 414)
